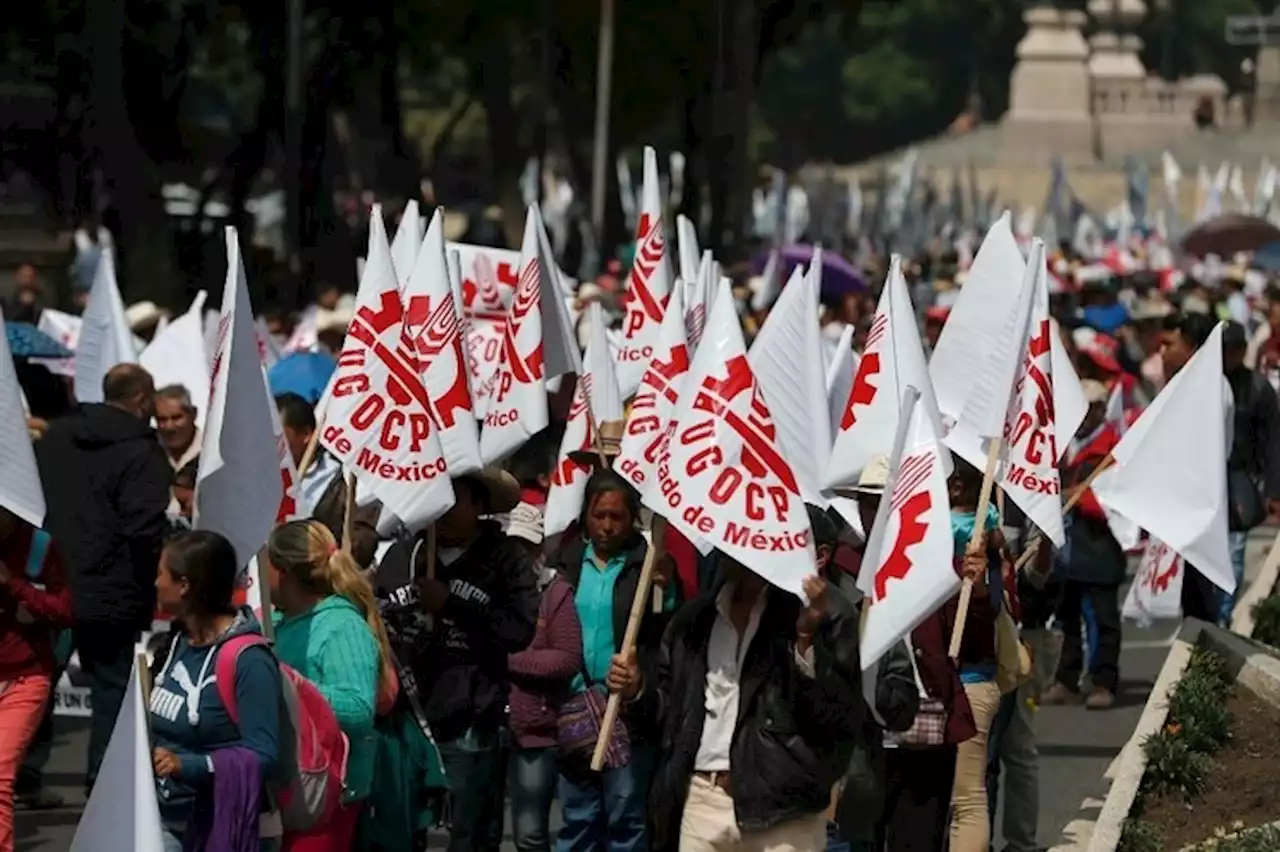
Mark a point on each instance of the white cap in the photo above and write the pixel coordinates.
(525, 522)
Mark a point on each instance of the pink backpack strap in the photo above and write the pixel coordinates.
(224, 669)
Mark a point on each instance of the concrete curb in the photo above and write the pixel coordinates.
(1258, 591)
(1132, 763)
(1251, 666)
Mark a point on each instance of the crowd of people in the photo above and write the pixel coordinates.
(469, 666)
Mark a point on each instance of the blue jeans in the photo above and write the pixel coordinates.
(532, 788)
(606, 810)
(1237, 540)
(476, 766)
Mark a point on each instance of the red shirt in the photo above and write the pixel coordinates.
(31, 609)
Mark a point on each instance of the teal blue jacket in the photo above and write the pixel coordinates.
(332, 646)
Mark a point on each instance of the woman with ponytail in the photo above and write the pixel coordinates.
(330, 631)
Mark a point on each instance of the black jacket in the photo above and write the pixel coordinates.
(106, 483)
(567, 562)
(1255, 446)
(794, 735)
(460, 663)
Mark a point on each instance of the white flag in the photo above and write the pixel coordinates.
(908, 568)
(840, 376)
(892, 360)
(687, 243)
(596, 397)
(176, 356)
(105, 339)
(379, 422)
(698, 295)
(1156, 590)
(435, 326)
(1013, 402)
(404, 247)
(123, 811)
(238, 486)
(655, 402)
(538, 345)
(20, 490)
(722, 477)
(649, 285)
(782, 357)
(1176, 495)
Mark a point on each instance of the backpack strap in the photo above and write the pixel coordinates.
(224, 669)
(36, 554)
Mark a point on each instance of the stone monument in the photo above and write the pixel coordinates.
(1049, 94)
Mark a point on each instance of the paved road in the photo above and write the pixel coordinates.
(1076, 746)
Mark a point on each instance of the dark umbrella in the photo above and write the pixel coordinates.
(1226, 235)
(27, 341)
(839, 276)
(1267, 258)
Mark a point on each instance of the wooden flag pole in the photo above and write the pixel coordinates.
(309, 454)
(349, 513)
(1076, 495)
(629, 638)
(977, 542)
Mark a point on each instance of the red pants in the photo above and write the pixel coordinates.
(337, 836)
(21, 708)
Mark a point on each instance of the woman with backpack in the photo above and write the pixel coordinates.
(203, 750)
(332, 633)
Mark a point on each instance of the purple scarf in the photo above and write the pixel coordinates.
(230, 822)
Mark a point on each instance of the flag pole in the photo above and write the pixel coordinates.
(1076, 495)
(977, 542)
(629, 638)
(349, 513)
(309, 453)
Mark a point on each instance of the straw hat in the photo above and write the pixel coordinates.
(610, 444)
(874, 477)
(501, 487)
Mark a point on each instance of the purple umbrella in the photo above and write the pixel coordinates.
(839, 276)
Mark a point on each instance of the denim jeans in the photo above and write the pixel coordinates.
(1237, 541)
(106, 658)
(476, 766)
(608, 810)
(532, 788)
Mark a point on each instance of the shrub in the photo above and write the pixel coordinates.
(1266, 621)
(1198, 707)
(1140, 836)
(1263, 839)
(1173, 768)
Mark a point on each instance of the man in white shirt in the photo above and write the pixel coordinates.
(759, 698)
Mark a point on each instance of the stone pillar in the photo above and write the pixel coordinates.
(1120, 102)
(1049, 92)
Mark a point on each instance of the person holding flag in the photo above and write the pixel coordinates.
(1091, 568)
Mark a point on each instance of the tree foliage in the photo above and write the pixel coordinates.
(194, 90)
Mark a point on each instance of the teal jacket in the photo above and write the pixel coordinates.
(332, 646)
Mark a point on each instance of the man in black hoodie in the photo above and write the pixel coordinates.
(106, 482)
(454, 630)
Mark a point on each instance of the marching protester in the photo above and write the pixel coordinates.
(977, 662)
(106, 482)
(541, 680)
(1088, 572)
(459, 613)
(759, 698)
(332, 634)
(34, 604)
(602, 565)
(202, 755)
(176, 425)
(1253, 466)
(861, 793)
(920, 762)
